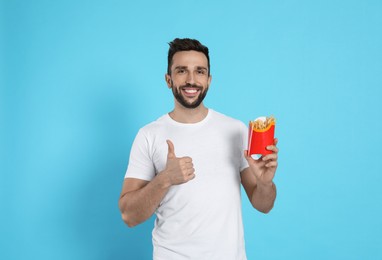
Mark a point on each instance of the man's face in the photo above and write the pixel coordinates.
(189, 79)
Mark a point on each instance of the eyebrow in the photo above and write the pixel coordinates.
(180, 67)
(201, 68)
(185, 67)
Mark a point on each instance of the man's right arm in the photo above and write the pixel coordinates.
(139, 198)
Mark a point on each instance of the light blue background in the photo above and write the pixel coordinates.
(79, 78)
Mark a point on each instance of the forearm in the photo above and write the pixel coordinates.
(263, 197)
(139, 205)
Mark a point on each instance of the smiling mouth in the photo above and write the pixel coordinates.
(190, 91)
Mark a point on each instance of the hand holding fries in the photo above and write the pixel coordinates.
(261, 142)
(265, 167)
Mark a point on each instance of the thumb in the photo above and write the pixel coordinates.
(249, 157)
(246, 155)
(171, 150)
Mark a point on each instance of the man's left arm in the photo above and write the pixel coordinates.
(257, 179)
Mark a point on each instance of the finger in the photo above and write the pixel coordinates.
(272, 148)
(186, 167)
(191, 176)
(189, 164)
(275, 141)
(191, 171)
(187, 159)
(271, 164)
(171, 150)
(272, 156)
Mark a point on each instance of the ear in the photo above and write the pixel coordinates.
(168, 80)
(209, 80)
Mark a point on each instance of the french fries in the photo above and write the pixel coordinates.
(262, 123)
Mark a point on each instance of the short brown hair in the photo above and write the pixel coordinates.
(186, 44)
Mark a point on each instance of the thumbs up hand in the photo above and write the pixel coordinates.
(178, 170)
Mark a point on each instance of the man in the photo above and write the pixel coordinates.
(187, 167)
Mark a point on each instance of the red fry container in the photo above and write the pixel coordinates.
(258, 140)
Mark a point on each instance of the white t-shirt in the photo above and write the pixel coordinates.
(200, 219)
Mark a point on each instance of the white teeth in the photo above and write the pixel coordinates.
(190, 91)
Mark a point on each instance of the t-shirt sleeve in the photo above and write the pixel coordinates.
(140, 164)
(244, 140)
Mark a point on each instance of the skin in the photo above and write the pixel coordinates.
(139, 198)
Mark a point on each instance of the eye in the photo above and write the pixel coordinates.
(201, 71)
(181, 71)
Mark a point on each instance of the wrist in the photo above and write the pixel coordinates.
(266, 185)
(164, 180)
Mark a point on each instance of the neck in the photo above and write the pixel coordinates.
(189, 115)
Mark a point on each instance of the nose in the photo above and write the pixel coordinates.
(190, 78)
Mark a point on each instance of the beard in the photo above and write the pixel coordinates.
(182, 100)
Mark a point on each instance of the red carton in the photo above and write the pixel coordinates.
(258, 140)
